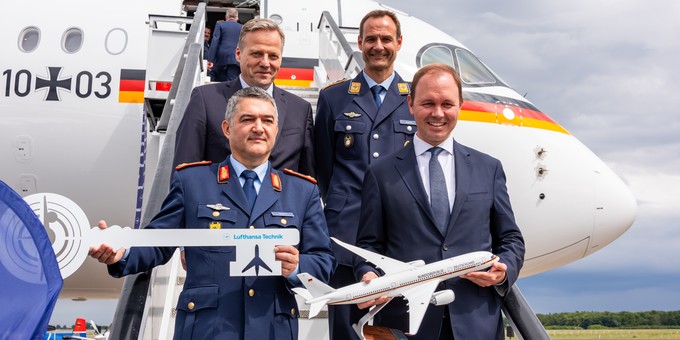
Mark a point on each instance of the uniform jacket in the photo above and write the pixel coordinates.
(224, 41)
(349, 134)
(200, 136)
(397, 221)
(222, 305)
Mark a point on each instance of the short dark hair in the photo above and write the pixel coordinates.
(248, 92)
(438, 68)
(379, 13)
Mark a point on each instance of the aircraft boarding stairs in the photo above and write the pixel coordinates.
(146, 308)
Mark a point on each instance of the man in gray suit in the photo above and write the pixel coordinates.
(436, 199)
(259, 53)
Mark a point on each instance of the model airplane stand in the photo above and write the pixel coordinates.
(369, 332)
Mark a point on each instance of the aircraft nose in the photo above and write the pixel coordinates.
(615, 206)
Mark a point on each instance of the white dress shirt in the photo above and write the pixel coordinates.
(446, 159)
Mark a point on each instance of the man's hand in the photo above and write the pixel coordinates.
(495, 275)
(210, 65)
(104, 253)
(380, 300)
(289, 257)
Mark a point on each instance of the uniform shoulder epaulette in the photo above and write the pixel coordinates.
(188, 165)
(335, 83)
(297, 174)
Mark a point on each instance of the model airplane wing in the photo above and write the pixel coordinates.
(387, 264)
(418, 299)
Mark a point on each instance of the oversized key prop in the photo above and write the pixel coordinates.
(72, 235)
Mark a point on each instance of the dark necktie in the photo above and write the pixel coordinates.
(376, 89)
(439, 196)
(249, 186)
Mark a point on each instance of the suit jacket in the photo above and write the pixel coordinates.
(397, 221)
(200, 137)
(224, 41)
(349, 134)
(222, 306)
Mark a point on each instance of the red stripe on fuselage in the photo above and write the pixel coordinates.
(131, 85)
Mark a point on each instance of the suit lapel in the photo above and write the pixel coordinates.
(230, 87)
(233, 189)
(365, 98)
(281, 103)
(463, 175)
(266, 197)
(407, 166)
(393, 99)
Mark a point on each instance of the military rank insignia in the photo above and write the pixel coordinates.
(276, 182)
(349, 141)
(403, 88)
(352, 114)
(188, 165)
(354, 87)
(223, 174)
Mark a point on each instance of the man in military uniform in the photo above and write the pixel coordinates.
(240, 192)
(357, 122)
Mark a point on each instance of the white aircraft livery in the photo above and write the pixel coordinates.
(415, 281)
(82, 87)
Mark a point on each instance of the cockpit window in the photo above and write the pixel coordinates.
(472, 71)
(72, 40)
(29, 38)
(437, 55)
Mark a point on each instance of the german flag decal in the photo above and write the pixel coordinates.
(131, 86)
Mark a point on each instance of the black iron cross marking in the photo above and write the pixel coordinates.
(53, 83)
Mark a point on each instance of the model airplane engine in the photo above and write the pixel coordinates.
(417, 263)
(443, 297)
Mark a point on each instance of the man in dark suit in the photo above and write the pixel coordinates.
(199, 136)
(436, 199)
(352, 131)
(222, 61)
(202, 195)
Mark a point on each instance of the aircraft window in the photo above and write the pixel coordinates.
(437, 54)
(29, 39)
(72, 40)
(276, 18)
(116, 41)
(472, 71)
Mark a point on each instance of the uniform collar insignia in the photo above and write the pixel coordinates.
(403, 88)
(223, 174)
(352, 114)
(354, 87)
(276, 182)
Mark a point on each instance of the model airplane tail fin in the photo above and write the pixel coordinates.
(315, 287)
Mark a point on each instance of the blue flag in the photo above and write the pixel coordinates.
(30, 280)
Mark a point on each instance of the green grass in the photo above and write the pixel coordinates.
(605, 334)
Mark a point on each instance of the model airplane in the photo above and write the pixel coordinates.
(415, 281)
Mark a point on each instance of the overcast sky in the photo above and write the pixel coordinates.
(607, 71)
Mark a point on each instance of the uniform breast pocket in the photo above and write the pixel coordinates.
(349, 136)
(403, 132)
(281, 219)
(213, 216)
